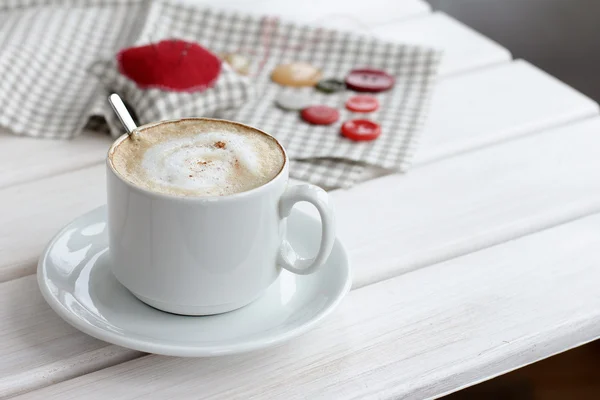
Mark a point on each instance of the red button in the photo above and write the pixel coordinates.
(320, 115)
(369, 80)
(361, 130)
(362, 103)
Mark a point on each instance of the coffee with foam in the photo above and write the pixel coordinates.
(198, 157)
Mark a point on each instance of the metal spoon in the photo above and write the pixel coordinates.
(121, 111)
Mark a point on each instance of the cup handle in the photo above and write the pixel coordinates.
(288, 258)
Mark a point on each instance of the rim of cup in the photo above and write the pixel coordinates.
(234, 196)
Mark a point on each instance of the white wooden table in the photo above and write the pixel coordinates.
(482, 259)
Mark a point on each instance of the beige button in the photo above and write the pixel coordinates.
(240, 64)
(296, 74)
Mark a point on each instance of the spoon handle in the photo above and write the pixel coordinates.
(121, 111)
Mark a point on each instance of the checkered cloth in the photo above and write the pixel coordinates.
(55, 98)
(45, 47)
(49, 48)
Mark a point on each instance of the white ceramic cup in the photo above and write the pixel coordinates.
(207, 255)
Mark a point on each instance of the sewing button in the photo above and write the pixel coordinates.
(320, 115)
(369, 80)
(331, 85)
(362, 103)
(361, 130)
(292, 101)
(296, 74)
(239, 63)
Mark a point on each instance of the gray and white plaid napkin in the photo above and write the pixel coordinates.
(47, 50)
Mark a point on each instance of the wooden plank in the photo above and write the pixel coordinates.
(494, 105)
(419, 335)
(25, 159)
(456, 206)
(471, 214)
(390, 226)
(33, 212)
(336, 14)
(464, 48)
(37, 348)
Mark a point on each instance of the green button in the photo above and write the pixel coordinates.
(331, 85)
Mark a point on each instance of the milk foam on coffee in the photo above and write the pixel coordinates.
(198, 158)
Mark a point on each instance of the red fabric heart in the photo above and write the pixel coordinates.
(174, 65)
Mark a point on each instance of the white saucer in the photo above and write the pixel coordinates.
(75, 279)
